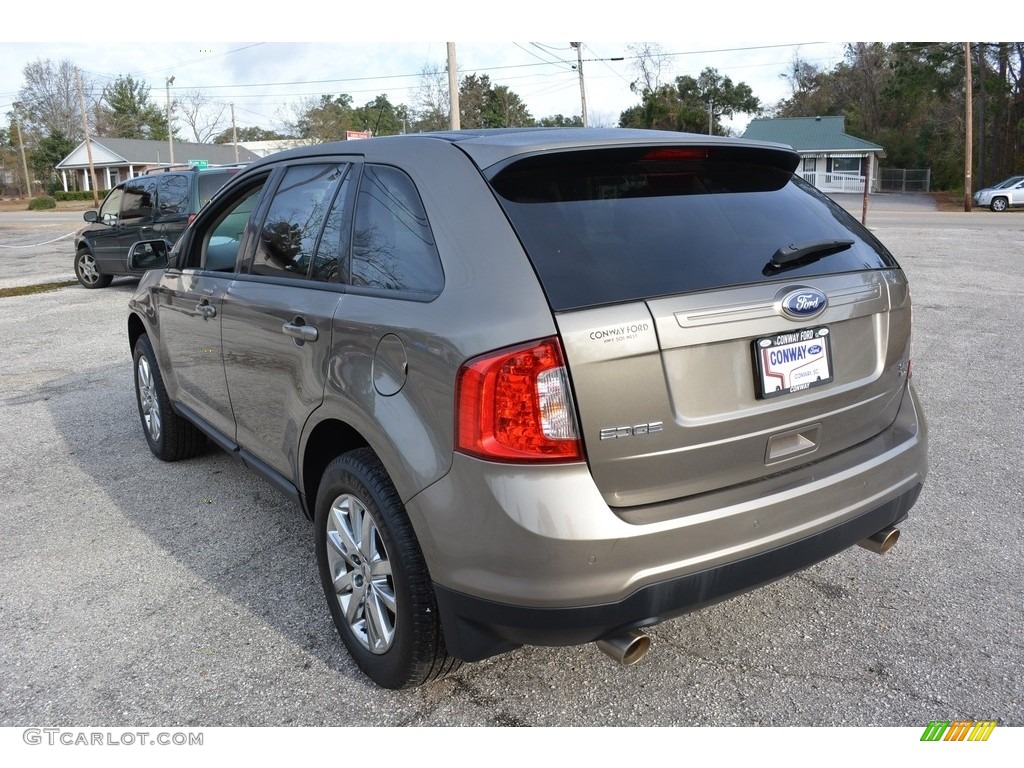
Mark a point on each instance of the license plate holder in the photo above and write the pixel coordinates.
(792, 362)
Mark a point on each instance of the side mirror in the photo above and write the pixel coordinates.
(148, 254)
(91, 216)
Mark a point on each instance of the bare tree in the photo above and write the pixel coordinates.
(868, 61)
(432, 103)
(48, 101)
(202, 114)
(650, 62)
(801, 76)
(602, 119)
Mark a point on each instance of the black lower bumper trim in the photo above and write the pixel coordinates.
(476, 628)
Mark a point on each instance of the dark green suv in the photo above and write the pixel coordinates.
(153, 206)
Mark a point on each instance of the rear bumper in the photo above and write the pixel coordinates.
(476, 628)
(533, 555)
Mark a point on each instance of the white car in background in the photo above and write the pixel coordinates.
(1003, 195)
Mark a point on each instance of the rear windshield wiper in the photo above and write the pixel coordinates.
(797, 254)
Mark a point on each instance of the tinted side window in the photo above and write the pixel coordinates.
(172, 194)
(392, 245)
(138, 198)
(296, 215)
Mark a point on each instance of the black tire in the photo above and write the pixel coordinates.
(377, 570)
(170, 437)
(998, 204)
(87, 271)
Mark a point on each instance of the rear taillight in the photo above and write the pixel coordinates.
(515, 405)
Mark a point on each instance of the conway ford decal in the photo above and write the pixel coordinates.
(620, 332)
(805, 303)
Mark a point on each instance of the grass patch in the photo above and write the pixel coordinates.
(25, 290)
(948, 201)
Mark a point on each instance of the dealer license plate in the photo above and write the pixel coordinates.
(790, 362)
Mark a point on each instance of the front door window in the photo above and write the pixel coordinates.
(111, 207)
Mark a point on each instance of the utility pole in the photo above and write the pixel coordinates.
(981, 114)
(969, 123)
(579, 69)
(24, 162)
(170, 132)
(454, 121)
(867, 187)
(234, 132)
(88, 141)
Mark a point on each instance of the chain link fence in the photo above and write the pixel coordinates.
(904, 180)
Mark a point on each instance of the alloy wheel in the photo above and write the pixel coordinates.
(361, 573)
(87, 268)
(149, 405)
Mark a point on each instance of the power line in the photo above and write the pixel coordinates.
(737, 50)
(539, 78)
(546, 61)
(540, 63)
(608, 66)
(204, 58)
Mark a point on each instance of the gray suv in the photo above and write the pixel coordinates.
(540, 386)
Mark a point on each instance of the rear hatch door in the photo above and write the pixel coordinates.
(722, 320)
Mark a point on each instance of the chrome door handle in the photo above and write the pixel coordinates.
(301, 332)
(206, 309)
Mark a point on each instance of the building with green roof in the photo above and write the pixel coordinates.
(830, 158)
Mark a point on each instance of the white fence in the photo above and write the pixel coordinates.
(834, 182)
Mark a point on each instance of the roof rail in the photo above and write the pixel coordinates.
(178, 167)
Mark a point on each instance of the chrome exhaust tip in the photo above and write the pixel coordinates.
(882, 541)
(627, 648)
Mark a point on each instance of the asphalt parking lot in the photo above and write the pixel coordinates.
(137, 593)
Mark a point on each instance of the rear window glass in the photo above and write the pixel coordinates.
(610, 226)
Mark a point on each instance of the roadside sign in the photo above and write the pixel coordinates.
(200, 164)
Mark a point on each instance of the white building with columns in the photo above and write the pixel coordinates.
(116, 160)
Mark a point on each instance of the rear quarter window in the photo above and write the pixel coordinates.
(209, 183)
(172, 194)
(393, 246)
(608, 226)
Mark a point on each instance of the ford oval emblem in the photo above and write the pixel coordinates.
(804, 303)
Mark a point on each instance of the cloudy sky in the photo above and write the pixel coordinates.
(272, 60)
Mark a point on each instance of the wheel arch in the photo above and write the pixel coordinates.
(136, 328)
(326, 441)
